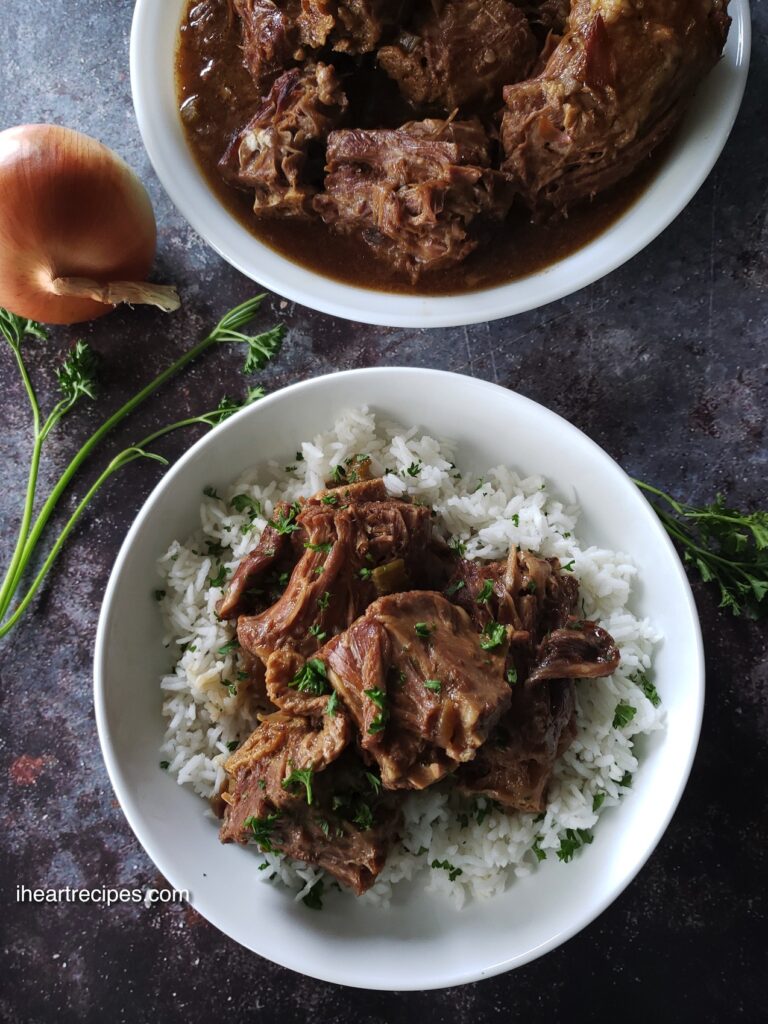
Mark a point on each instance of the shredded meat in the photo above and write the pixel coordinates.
(413, 192)
(423, 692)
(346, 544)
(279, 153)
(347, 828)
(515, 765)
(613, 88)
(460, 51)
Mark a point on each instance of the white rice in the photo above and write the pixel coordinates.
(488, 848)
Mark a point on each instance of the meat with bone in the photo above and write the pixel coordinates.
(613, 88)
(583, 650)
(279, 153)
(352, 552)
(413, 193)
(423, 687)
(294, 789)
(460, 51)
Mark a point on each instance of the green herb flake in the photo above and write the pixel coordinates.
(233, 745)
(229, 647)
(209, 492)
(515, 519)
(568, 567)
(220, 578)
(572, 841)
(492, 636)
(454, 588)
(285, 521)
(453, 872)
(330, 499)
(243, 503)
(641, 679)
(375, 782)
(623, 715)
(626, 780)
(165, 765)
(363, 816)
(597, 802)
(300, 777)
(332, 706)
(486, 593)
(324, 547)
(159, 595)
(433, 684)
(423, 630)
(312, 678)
(414, 469)
(261, 830)
(323, 602)
(537, 850)
(317, 632)
(511, 676)
(457, 546)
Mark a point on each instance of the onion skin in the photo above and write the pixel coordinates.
(70, 208)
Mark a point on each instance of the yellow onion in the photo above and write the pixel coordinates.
(77, 230)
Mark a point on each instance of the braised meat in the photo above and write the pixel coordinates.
(423, 687)
(272, 550)
(279, 153)
(353, 551)
(413, 192)
(277, 33)
(515, 765)
(614, 87)
(293, 789)
(583, 650)
(460, 51)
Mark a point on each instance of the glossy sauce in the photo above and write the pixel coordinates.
(217, 97)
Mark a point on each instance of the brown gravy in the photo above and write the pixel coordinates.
(216, 97)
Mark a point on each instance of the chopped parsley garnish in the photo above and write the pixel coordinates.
(414, 469)
(290, 469)
(641, 679)
(314, 898)
(623, 715)
(319, 570)
(214, 548)
(626, 780)
(285, 522)
(159, 595)
(231, 687)
(493, 636)
(515, 519)
(457, 546)
(300, 777)
(261, 830)
(330, 499)
(486, 593)
(454, 588)
(379, 723)
(233, 745)
(511, 676)
(539, 853)
(365, 574)
(324, 547)
(325, 828)
(378, 697)
(322, 602)
(338, 474)
(209, 492)
(433, 684)
(232, 645)
(597, 801)
(531, 586)
(220, 578)
(312, 678)
(483, 812)
(375, 781)
(317, 633)
(165, 764)
(299, 456)
(363, 816)
(423, 629)
(568, 567)
(573, 840)
(332, 705)
(244, 503)
(242, 676)
(453, 872)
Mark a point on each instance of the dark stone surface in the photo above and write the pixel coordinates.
(662, 363)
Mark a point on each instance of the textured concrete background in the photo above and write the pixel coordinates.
(662, 363)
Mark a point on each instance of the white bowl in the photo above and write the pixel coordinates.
(690, 159)
(420, 942)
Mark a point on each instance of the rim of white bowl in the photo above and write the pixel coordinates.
(694, 151)
(130, 805)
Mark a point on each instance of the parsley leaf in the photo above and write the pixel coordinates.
(324, 547)
(573, 840)
(641, 679)
(262, 829)
(229, 647)
(285, 521)
(220, 578)
(486, 593)
(433, 684)
(300, 777)
(243, 503)
(623, 715)
(314, 898)
(332, 705)
(453, 872)
(511, 676)
(454, 588)
(312, 678)
(493, 636)
(423, 629)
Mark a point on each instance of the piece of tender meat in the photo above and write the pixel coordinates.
(413, 193)
(515, 765)
(272, 548)
(548, 15)
(527, 592)
(614, 87)
(280, 152)
(422, 690)
(347, 828)
(270, 37)
(283, 673)
(583, 650)
(349, 26)
(460, 51)
(352, 550)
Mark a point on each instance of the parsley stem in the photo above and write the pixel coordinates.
(223, 331)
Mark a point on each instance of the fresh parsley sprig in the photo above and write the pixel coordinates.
(726, 547)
